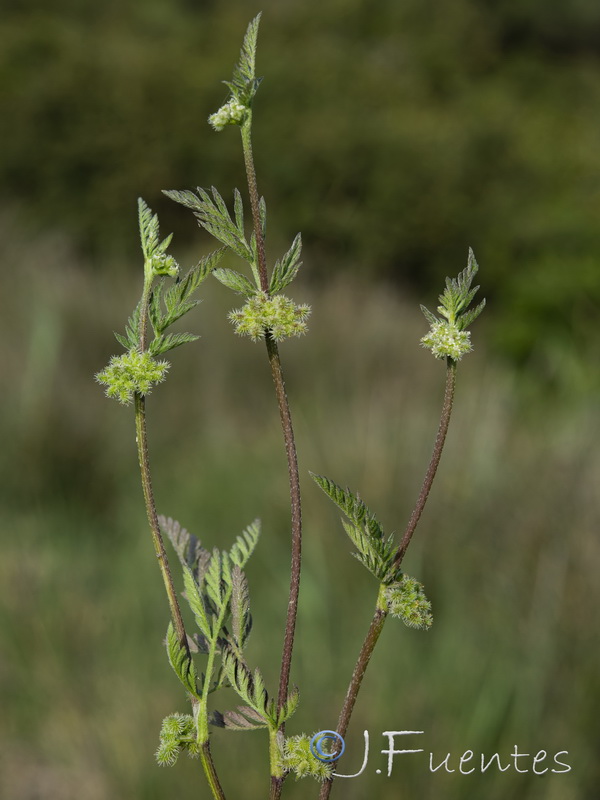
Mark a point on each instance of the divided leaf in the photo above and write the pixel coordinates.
(197, 604)
(244, 83)
(181, 662)
(177, 302)
(188, 548)
(241, 619)
(249, 686)
(244, 545)
(162, 344)
(215, 584)
(217, 581)
(244, 719)
(375, 551)
(289, 707)
(457, 297)
(149, 231)
(235, 280)
(287, 268)
(131, 340)
(212, 214)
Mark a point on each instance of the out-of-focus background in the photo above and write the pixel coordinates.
(393, 135)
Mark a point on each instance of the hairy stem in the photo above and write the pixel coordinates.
(254, 202)
(210, 772)
(366, 651)
(440, 440)
(380, 615)
(296, 510)
(290, 447)
(157, 539)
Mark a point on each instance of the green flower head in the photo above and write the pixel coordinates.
(177, 733)
(406, 600)
(232, 113)
(279, 315)
(297, 758)
(445, 340)
(130, 373)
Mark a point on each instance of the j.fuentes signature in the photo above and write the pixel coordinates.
(465, 764)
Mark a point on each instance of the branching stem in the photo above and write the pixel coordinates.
(380, 615)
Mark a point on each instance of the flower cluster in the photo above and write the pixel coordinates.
(232, 113)
(279, 315)
(445, 340)
(406, 600)
(162, 264)
(177, 733)
(130, 373)
(297, 758)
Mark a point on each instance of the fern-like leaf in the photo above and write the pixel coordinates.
(241, 619)
(187, 546)
(243, 719)
(236, 281)
(244, 545)
(244, 83)
(131, 340)
(148, 229)
(287, 268)
(162, 344)
(181, 662)
(375, 551)
(197, 604)
(249, 686)
(289, 707)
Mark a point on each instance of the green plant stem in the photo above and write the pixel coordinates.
(157, 540)
(211, 773)
(290, 446)
(380, 615)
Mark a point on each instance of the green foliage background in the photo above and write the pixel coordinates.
(393, 135)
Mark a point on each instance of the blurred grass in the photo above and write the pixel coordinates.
(507, 548)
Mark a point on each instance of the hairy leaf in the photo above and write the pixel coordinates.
(177, 300)
(131, 340)
(148, 229)
(197, 604)
(249, 686)
(212, 214)
(163, 344)
(457, 297)
(243, 719)
(244, 83)
(241, 619)
(375, 551)
(287, 268)
(244, 545)
(289, 707)
(181, 662)
(188, 548)
(234, 280)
